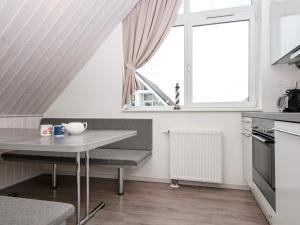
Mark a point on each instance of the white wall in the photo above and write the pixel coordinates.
(96, 92)
(15, 172)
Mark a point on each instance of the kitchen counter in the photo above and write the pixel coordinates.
(287, 117)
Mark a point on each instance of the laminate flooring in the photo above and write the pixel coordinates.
(146, 203)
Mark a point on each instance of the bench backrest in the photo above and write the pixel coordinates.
(142, 141)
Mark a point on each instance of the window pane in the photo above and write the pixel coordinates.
(166, 68)
(202, 5)
(148, 97)
(220, 62)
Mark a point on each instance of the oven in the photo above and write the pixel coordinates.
(263, 158)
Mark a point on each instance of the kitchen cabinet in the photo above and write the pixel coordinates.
(285, 29)
(247, 150)
(292, 25)
(287, 170)
(278, 30)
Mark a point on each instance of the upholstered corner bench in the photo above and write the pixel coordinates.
(21, 211)
(129, 153)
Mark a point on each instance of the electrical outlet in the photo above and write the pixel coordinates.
(296, 84)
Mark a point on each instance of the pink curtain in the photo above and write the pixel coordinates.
(144, 30)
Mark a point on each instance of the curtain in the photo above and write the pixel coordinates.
(144, 30)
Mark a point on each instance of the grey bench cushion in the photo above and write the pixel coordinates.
(117, 157)
(113, 157)
(20, 211)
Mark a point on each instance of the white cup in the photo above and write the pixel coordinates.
(46, 130)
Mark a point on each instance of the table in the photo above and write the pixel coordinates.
(30, 140)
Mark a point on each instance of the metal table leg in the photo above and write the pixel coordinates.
(120, 181)
(78, 186)
(87, 180)
(89, 214)
(54, 175)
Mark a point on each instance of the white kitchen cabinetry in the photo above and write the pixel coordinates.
(247, 150)
(292, 25)
(278, 30)
(285, 29)
(287, 170)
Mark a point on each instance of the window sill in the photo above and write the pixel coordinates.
(190, 109)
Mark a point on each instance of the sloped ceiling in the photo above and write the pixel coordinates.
(44, 43)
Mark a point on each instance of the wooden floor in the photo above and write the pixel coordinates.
(151, 203)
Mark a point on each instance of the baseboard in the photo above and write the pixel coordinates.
(19, 180)
(224, 186)
(160, 180)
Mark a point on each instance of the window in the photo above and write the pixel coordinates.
(210, 53)
(160, 75)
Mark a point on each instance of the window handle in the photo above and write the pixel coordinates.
(215, 17)
(189, 67)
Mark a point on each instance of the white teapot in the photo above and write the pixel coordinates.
(75, 127)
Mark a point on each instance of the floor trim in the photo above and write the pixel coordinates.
(161, 180)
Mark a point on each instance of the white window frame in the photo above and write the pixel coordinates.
(219, 16)
(188, 20)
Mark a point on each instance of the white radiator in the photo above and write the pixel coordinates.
(196, 155)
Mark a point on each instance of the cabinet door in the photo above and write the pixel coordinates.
(292, 25)
(247, 158)
(287, 170)
(278, 29)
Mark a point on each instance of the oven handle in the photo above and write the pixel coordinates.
(286, 132)
(261, 139)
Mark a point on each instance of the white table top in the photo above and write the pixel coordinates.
(30, 139)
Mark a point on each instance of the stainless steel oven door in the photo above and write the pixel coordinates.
(263, 157)
(263, 163)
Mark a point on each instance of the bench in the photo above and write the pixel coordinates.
(128, 153)
(21, 211)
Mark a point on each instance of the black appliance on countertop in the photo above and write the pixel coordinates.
(290, 101)
(263, 158)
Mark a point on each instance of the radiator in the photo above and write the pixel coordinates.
(196, 155)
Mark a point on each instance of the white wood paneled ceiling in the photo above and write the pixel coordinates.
(44, 44)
